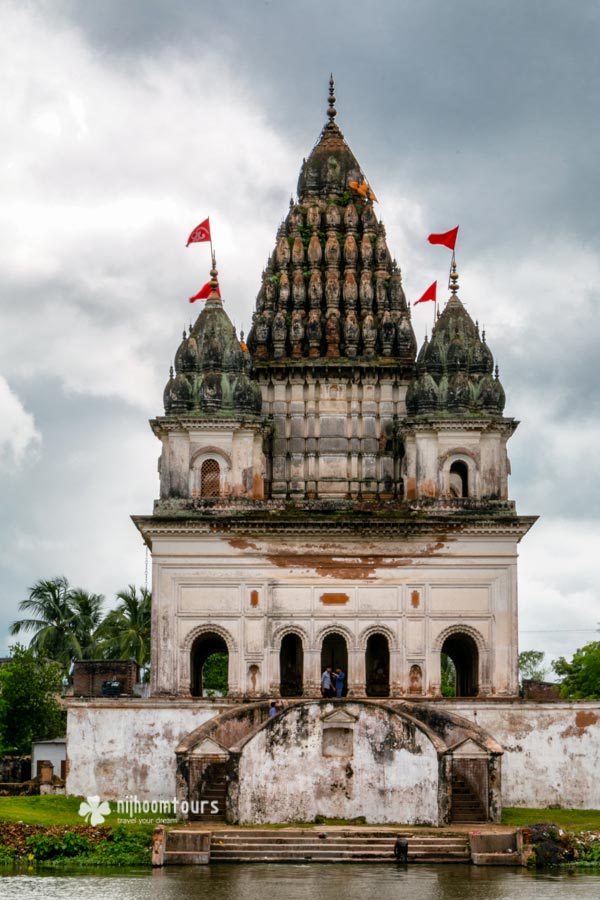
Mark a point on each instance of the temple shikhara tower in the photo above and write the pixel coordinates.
(329, 496)
(334, 495)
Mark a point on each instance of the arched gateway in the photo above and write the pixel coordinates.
(207, 647)
(385, 762)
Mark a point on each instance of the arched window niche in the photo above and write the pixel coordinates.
(459, 479)
(210, 473)
(210, 478)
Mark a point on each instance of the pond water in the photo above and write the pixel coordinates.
(303, 882)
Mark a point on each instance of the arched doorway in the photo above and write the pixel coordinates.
(209, 665)
(334, 653)
(377, 665)
(459, 479)
(462, 650)
(291, 664)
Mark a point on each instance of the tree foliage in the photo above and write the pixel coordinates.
(63, 621)
(88, 616)
(29, 709)
(125, 632)
(531, 666)
(68, 623)
(448, 687)
(581, 676)
(215, 674)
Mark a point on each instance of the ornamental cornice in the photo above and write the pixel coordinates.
(435, 423)
(153, 526)
(162, 424)
(329, 364)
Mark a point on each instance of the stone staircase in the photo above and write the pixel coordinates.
(213, 794)
(323, 845)
(466, 805)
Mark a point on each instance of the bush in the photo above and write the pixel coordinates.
(126, 847)
(52, 846)
(7, 855)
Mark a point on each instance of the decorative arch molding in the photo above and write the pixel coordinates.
(364, 636)
(209, 450)
(201, 630)
(457, 453)
(284, 630)
(348, 636)
(208, 729)
(468, 630)
(469, 459)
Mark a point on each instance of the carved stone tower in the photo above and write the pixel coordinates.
(332, 341)
(326, 499)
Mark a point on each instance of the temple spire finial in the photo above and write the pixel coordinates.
(331, 111)
(215, 293)
(453, 278)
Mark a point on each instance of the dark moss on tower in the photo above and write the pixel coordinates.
(331, 289)
(453, 373)
(211, 368)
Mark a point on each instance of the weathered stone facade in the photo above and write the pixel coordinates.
(329, 497)
(326, 496)
(252, 588)
(551, 750)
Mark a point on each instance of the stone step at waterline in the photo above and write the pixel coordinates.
(346, 842)
(305, 844)
(340, 856)
(331, 845)
(336, 831)
(276, 837)
(325, 847)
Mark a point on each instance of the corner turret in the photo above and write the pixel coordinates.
(212, 429)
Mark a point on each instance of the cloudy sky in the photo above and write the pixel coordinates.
(125, 122)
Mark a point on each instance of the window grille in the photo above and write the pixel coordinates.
(210, 478)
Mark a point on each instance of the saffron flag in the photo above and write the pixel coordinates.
(429, 294)
(204, 292)
(447, 239)
(200, 233)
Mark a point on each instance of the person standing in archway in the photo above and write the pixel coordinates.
(326, 683)
(340, 678)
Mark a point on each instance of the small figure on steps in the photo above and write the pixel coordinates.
(401, 850)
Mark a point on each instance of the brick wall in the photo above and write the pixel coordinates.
(541, 690)
(90, 675)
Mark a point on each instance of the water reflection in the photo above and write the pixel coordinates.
(303, 882)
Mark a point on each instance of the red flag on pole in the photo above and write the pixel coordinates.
(204, 292)
(447, 239)
(430, 293)
(200, 233)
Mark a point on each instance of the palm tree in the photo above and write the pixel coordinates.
(88, 616)
(53, 621)
(125, 631)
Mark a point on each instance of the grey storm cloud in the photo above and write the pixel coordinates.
(140, 118)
